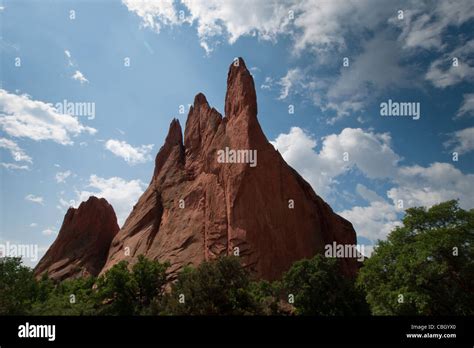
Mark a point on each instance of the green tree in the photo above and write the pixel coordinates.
(124, 292)
(116, 291)
(426, 266)
(150, 279)
(220, 287)
(319, 288)
(17, 287)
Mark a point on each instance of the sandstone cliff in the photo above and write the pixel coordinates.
(82, 243)
(197, 208)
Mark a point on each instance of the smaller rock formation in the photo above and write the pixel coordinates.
(83, 241)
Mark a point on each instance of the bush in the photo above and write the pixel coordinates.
(220, 287)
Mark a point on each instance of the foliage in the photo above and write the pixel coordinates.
(17, 287)
(127, 293)
(220, 287)
(69, 297)
(319, 288)
(425, 267)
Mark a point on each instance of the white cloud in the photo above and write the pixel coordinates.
(461, 141)
(370, 152)
(293, 77)
(467, 108)
(425, 22)
(14, 166)
(376, 70)
(21, 116)
(16, 152)
(33, 224)
(68, 55)
(375, 221)
(120, 193)
(325, 27)
(153, 13)
(316, 25)
(443, 73)
(368, 194)
(35, 199)
(78, 76)
(49, 232)
(62, 176)
(427, 186)
(130, 154)
(268, 83)
(234, 19)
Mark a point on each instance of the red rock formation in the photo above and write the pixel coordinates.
(197, 209)
(82, 243)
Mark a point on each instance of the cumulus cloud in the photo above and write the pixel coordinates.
(35, 199)
(122, 194)
(427, 186)
(131, 155)
(21, 116)
(78, 76)
(62, 176)
(370, 152)
(234, 19)
(16, 152)
(374, 221)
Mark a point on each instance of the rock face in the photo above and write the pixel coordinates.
(83, 241)
(197, 208)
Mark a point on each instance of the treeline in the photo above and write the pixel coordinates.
(425, 267)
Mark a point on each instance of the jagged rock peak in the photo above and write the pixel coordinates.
(83, 241)
(240, 95)
(199, 208)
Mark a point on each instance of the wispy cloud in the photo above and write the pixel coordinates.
(35, 199)
(62, 176)
(16, 152)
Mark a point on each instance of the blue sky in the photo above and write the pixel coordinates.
(76, 51)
